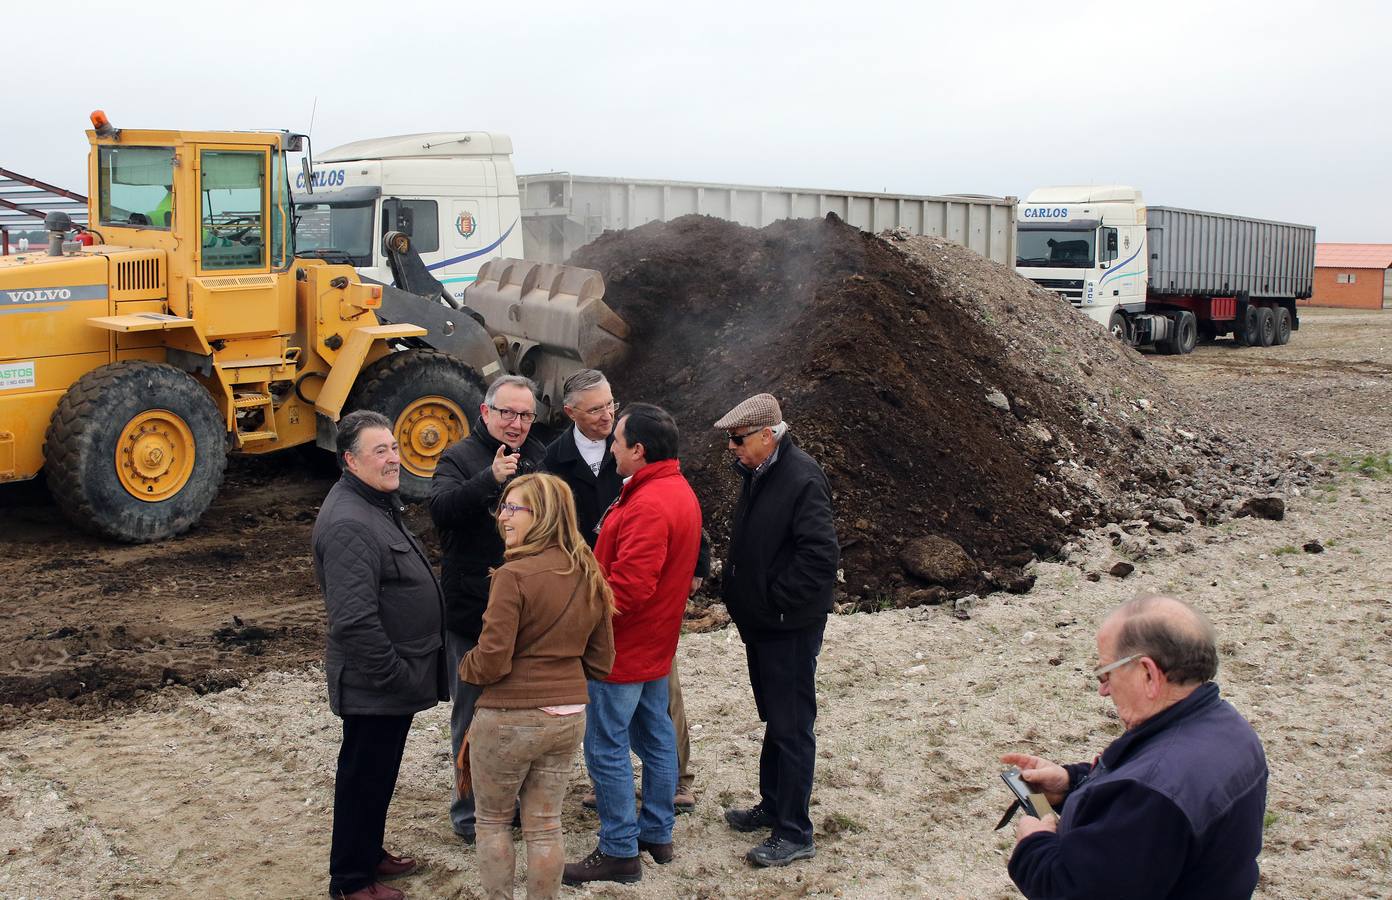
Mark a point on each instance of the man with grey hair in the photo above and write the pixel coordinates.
(467, 486)
(1172, 808)
(385, 657)
(778, 580)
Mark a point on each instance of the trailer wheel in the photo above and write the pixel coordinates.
(1266, 327)
(135, 451)
(1245, 332)
(1116, 324)
(431, 399)
(1283, 326)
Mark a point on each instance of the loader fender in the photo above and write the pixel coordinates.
(349, 364)
(453, 331)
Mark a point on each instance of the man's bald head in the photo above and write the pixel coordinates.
(1179, 638)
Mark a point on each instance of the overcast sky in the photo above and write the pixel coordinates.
(1276, 110)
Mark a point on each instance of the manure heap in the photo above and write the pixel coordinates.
(968, 421)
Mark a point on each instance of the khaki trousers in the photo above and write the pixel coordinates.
(522, 752)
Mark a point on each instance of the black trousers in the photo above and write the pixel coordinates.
(368, 761)
(783, 674)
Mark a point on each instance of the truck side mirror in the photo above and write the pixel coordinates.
(1112, 242)
(308, 174)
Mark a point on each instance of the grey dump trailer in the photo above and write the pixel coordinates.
(563, 212)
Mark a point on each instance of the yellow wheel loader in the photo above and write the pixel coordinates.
(184, 327)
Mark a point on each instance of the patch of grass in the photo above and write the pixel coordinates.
(1282, 551)
(1371, 465)
(839, 823)
(1269, 819)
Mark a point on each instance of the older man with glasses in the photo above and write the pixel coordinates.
(778, 581)
(467, 486)
(1174, 807)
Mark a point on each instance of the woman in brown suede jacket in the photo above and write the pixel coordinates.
(547, 627)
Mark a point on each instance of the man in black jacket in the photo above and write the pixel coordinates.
(581, 458)
(1174, 808)
(778, 580)
(467, 486)
(385, 658)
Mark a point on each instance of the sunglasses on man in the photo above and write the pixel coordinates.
(738, 439)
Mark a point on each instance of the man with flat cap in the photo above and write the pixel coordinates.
(779, 575)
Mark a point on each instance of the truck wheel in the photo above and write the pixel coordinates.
(1283, 326)
(1117, 326)
(135, 451)
(1245, 333)
(1186, 333)
(1266, 327)
(431, 399)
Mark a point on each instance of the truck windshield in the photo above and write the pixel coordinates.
(346, 227)
(1059, 249)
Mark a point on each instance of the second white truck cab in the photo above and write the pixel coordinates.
(1088, 245)
(453, 193)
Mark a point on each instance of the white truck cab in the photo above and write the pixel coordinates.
(453, 193)
(1087, 244)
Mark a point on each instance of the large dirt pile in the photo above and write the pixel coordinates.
(952, 403)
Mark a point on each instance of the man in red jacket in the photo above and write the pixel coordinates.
(648, 542)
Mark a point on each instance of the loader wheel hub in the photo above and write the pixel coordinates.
(425, 428)
(155, 455)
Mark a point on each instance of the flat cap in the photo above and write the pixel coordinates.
(759, 411)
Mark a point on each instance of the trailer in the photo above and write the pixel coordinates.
(1166, 276)
(562, 212)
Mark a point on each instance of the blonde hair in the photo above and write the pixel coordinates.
(553, 525)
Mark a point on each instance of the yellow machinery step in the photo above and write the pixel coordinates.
(248, 401)
(247, 437)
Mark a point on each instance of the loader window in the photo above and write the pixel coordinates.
(232, 184)
(417, 219)
(135, 186)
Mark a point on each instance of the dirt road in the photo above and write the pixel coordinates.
(229, 791)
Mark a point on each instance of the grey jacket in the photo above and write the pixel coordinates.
(385, 652)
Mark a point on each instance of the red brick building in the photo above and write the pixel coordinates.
(1358, 276)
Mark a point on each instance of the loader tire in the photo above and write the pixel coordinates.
(431, 399)
(135, 451)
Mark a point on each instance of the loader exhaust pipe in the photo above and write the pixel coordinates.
(58, 224)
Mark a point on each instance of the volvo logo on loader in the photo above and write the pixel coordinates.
(40, 295)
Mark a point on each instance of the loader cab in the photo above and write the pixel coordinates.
(218, 205)
(219, 201)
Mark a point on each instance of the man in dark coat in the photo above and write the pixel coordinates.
(1174, 808)
(385, 659)
(778, 580)
(581, 457)
(467, 486)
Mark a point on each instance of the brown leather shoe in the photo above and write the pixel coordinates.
(393, 866)
(600, 866)
(374, 891)
(588, 801)
(685, 801)
(661, 853)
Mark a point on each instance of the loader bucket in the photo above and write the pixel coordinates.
(560, 308)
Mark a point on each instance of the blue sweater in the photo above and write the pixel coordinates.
(1172, 809)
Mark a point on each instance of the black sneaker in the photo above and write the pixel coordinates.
(600, 866)
(776, 851)
(756, 819)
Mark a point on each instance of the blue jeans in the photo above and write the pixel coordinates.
(464, 695)
(621, 717)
